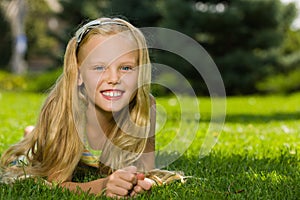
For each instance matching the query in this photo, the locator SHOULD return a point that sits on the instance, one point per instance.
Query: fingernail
(140, 176)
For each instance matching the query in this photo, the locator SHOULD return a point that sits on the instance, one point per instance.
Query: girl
(99, 114)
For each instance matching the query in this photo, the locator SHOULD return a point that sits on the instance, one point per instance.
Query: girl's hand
(121, 181)
(143, 184)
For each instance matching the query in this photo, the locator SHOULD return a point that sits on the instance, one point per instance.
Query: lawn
(257, 154)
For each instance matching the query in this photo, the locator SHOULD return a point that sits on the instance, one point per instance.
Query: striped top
(87, 158)
(90, 157)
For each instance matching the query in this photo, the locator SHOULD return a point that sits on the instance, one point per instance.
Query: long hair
(122, 148)
(54, 148)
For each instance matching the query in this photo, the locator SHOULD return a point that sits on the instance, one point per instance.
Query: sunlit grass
(256, 156)
(18, 110)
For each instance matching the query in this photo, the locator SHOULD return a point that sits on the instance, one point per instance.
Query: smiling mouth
(112, 93)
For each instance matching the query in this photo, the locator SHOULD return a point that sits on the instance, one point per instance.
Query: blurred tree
(5, 41)
(15, 13)
(250, 45)
(31, 40)
(242, 36)
(285, 76)
(139, 13)
(76, 12)
(43, 48)
(179, 15)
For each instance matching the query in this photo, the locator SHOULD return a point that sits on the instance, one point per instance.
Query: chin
(111, 109)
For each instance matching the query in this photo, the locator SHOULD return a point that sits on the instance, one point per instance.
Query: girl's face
(109, 71)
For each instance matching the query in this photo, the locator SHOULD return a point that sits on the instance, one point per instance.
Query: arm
(93, 187)
(117, 184)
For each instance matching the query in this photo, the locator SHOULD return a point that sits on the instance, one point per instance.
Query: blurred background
(254, 43)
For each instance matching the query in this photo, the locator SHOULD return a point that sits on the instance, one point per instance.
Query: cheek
(131, 82)
(91, 83)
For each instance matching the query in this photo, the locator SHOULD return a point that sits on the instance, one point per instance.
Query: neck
(97, 124)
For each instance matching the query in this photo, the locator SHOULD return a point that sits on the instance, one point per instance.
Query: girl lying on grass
(100, 115)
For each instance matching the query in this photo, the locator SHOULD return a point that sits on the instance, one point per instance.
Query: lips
(112, 94)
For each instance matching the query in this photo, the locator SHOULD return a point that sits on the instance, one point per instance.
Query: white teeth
(113, 93)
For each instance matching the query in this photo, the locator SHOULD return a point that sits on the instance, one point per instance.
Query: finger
(127, 176)
(112, 190)
(116, 180)
(138, 189)
(124, 184)
(132, 193)
(145, 184)
(140, 176)
(111, 195)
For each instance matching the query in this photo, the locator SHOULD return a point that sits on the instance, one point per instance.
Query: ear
(79, 80)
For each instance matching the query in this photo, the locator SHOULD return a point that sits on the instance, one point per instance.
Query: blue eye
(126, 68)
(99, 68)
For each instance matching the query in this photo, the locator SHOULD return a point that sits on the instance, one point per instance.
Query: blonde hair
(122, 148)
(54, 147)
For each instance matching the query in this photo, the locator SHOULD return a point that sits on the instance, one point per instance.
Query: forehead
(108, 48)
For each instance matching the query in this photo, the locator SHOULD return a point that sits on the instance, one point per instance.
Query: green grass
(256, 157)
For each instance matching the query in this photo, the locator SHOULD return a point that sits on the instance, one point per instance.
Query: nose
(112, 76)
